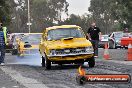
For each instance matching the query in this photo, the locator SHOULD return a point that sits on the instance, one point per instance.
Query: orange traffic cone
(106, 52)
(129, 53)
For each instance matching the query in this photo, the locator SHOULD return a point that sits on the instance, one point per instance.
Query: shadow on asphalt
(63, 67)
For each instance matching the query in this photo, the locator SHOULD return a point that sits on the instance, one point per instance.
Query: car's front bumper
(64, 55)
(71, 57)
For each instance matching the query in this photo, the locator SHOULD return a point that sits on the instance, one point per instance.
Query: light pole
(29, 23)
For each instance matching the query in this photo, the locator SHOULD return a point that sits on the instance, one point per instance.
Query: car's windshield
(32, 38)
(57, 34)
(126, 34)
(118, 35)
(105, 37)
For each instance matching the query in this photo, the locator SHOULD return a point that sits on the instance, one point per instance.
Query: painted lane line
(27, 82)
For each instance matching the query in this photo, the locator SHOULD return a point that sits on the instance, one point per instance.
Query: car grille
(67, 51)
(70, 51)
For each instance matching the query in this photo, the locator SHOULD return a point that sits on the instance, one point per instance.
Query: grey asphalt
(64, 77)
(7, 82)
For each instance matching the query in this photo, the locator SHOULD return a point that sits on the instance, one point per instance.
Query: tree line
(109, 15)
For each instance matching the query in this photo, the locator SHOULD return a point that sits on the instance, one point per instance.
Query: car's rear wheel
(48, 63)
(91, 62)
(126, 47)
(43, 61)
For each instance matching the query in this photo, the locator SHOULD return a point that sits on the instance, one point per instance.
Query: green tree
(4, 11)
(111, 15)
(103, 14)
(125, 7)
(44, 13)
(83, 21)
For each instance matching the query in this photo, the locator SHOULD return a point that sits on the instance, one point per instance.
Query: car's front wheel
(14, 52)
(91, 62)
(48, 63)
(43, 61)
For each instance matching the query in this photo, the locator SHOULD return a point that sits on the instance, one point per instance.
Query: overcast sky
(78, 7)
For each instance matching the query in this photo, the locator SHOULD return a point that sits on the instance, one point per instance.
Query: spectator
(94, 35)
(126, 30)
(3, 42)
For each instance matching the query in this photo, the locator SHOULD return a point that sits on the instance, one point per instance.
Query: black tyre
(126, 47)
(43, 61)
(91, 62)
(48, 63)
(111, 45)
(14, 52)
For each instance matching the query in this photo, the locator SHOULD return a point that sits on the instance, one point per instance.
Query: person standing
(3, 42)
(94, 35)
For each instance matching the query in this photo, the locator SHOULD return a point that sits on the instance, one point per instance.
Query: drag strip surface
(65, 77)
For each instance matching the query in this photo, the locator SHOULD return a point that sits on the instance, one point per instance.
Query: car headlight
(89, 49)
(117, 41)
(52, 52)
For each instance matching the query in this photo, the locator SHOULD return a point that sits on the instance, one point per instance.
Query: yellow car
(65, 44)
(28, 44)
(14, 39)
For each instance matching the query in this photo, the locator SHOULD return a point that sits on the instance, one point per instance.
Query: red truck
(126, 40)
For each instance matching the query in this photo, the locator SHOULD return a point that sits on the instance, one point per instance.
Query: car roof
(118, 32)
(62, 26)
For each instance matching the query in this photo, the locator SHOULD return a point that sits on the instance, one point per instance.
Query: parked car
(115, 40)
(126, 40)
(14, 39)
(126, 35)
(65, 44)
(103, 41)
(9, 43)
(28, 44)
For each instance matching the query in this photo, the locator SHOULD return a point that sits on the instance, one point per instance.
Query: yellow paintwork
(62, 44)
(45, 46)
(21, 44)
